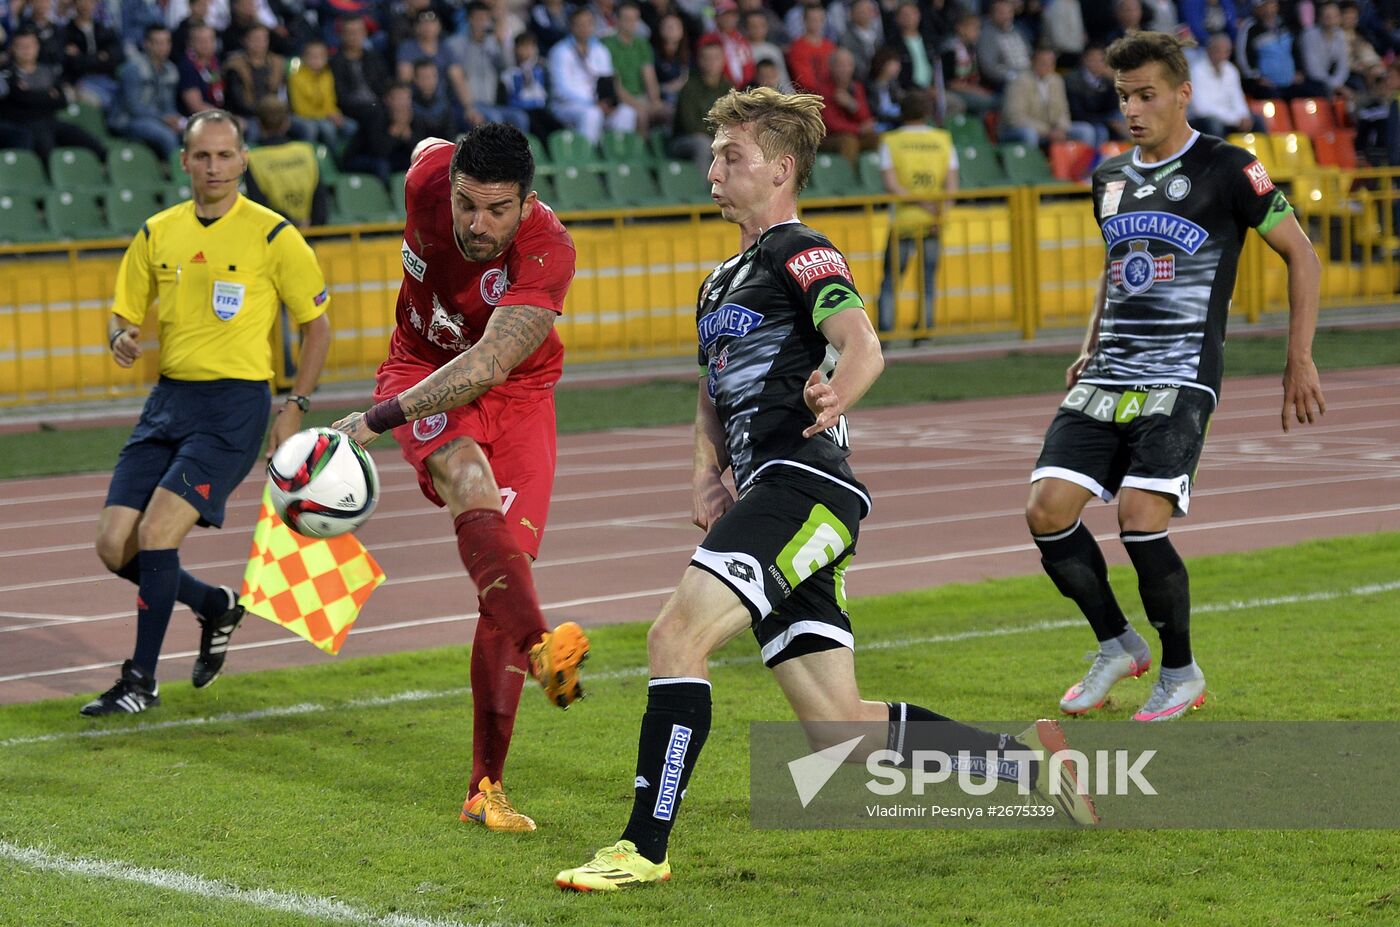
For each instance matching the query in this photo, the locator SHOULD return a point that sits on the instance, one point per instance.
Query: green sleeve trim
(834, 298)
(1278, 211)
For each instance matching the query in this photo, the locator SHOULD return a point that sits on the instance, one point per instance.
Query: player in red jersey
(468, 388)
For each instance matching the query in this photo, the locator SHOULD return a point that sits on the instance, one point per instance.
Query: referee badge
(228, 299)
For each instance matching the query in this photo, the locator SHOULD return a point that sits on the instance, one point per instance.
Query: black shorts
(1143, 437)
(196, 439)
(783, 548)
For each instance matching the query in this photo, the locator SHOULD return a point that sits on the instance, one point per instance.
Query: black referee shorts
(783, 548)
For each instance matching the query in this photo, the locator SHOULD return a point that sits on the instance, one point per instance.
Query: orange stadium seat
(1274, 113)
(1312, 116)
(1113, 148)
(1071, 160)
(1336, 148)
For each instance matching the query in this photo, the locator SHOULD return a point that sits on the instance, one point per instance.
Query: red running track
(948, 480)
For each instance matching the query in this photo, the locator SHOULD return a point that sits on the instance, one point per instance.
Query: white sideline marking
(325, 909)
(419, 695)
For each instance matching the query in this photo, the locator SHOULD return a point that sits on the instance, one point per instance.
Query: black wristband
(112, 339)
(385, 416)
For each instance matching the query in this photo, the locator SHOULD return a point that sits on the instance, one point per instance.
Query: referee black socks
(1165, 590)
(1074, 562)
(207, 601)
(155, 599)
(674, 729)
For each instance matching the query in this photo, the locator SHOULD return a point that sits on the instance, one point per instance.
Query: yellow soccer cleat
(492, 809)
(615, 867)
(555, 662)
(1046, 737)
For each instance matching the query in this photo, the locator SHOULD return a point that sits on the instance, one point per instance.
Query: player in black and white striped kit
(1174, 213)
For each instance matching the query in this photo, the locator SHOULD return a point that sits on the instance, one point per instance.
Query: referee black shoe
(213, 642)
(136, 691)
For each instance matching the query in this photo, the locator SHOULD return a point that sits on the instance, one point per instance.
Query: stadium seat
(568, 147)
(633, 185)
(870, 181)
(133, 166)
(1113, 148)
(656, 144)
(625, 147)
(832, 175)
(361, 198)
(74, 215)
(1312, 116)
(76, 169)
(1336, 149)
(544, 188)
(1293, 154)
(1071, 161)
(543, 163)
(325, 163)
(22, 172)
(127, 208)
(177, 191)
(86, 116)
(978, 167)
(1341, 117)
(173, 165)
(1274, 113)
(1025, 164)
(682, 183)
(1259, 145)
(19, 220)
(579, 188)
(397, 195)
(967, 130)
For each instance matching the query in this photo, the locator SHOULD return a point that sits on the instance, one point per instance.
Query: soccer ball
(323, 484)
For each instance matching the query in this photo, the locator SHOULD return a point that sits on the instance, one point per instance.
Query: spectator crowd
(369, 78)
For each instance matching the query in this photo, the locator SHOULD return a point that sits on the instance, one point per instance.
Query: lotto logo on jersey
(1137, 271)
(816, 263)
(412, 263)
(1258, 178)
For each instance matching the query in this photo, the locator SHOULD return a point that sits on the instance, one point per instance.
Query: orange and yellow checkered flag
(314, 588)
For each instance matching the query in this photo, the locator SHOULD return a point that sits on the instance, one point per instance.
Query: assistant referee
(217, 267)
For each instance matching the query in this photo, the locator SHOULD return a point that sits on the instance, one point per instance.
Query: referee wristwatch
(302, 402)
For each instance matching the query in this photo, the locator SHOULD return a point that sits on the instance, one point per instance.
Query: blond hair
(783, 124)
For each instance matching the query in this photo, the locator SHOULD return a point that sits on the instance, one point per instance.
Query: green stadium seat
(869, 179)
(568, 147)
(967, 130)
(177, 191)
(832, 175)
(657, 143)
(361, 198)
(543, 163)
(86, 116)
(579, 188)
(134, 167)
(19, 220)
(625, 148)
(173, 165)
(127, 208)
(74, 215)
(76, 169)
(682, 183)
(1025, 164)
(325, 163)
(22, 172)
(978, 167)
(633, 185)
(397, 193)
(544, 188)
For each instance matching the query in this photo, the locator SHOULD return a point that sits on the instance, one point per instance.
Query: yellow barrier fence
(1014, 261)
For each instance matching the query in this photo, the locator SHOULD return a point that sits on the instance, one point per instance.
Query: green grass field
(666, 402)
(291, 792)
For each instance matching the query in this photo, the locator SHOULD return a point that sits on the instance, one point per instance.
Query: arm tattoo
(512, 334)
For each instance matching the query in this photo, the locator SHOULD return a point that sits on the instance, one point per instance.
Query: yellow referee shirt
(218, 288)
(921, 157)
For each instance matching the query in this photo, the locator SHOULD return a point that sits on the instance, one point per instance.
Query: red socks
(498, 673)
(501, 571)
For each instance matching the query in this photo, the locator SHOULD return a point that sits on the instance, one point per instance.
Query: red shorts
(516, 433)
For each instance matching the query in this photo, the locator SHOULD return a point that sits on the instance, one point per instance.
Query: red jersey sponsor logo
(1258, 178)
(415, 266)
(816, 263)
(494, 284)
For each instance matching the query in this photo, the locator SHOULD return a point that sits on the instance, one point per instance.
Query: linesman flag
(314, 588)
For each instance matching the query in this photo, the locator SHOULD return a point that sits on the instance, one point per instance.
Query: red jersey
(445, 300)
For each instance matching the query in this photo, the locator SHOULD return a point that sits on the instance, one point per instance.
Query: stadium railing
(1016, 261)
